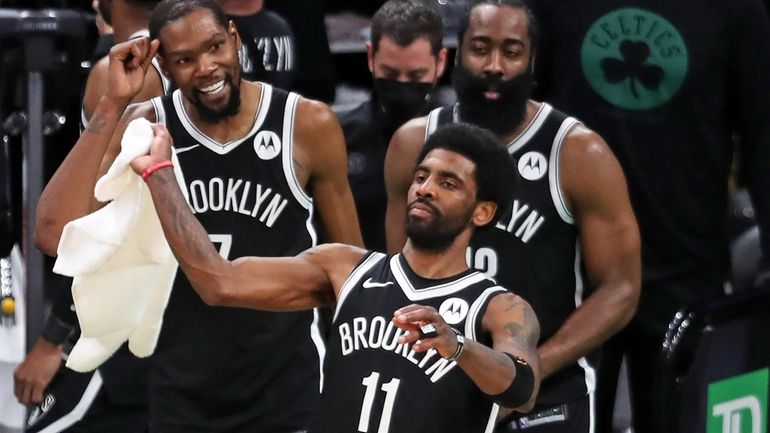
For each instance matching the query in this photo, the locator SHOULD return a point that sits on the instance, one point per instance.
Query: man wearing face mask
(406, 59)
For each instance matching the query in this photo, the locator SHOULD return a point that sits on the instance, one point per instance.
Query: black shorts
(573, 417)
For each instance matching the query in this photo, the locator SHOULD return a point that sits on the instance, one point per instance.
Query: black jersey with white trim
(233, 369)
(373, 384)
(534, 247)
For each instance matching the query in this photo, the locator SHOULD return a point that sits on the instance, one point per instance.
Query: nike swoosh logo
(185, 149)
(368, 284)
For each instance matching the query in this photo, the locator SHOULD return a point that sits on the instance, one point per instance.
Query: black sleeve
(750, 106)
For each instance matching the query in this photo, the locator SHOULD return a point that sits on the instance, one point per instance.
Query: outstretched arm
(596, 189)
(514, 329)
(286, 283)
(69, 194)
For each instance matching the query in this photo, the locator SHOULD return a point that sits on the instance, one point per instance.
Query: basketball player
(120, 405)
(403, 324)
(570, 231)
(251, 156)
(133, 17)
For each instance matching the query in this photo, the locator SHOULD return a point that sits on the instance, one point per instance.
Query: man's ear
(370, 57)
(233, 31)
(484, 213)
(162, 63)
(441, 63)
(532, 63)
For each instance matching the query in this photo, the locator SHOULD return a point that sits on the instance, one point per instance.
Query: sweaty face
(493, 78)
(201, 57)
(441, 200)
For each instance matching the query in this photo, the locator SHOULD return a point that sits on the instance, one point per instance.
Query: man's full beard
(500, 116)
(437, 235)
(230, 109)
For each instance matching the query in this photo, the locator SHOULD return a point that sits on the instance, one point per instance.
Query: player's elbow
(522, 391)
(629, 300)
(212, 295)
(46, 237)
(211, 289)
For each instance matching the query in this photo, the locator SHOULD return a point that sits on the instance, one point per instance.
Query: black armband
(521, 388)
(56, 331)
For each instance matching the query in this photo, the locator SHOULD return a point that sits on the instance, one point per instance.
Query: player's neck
(235, 127)
(433, 265)
(532, 108)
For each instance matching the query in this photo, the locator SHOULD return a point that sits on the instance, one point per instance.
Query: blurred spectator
(118, 398)
(268, 51)
(314, 68)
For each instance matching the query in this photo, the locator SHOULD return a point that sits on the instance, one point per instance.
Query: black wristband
(521, 388)
(56, 331)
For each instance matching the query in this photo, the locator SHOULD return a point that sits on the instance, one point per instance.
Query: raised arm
(509, 371)
(400, 160)
(288, 283)
(321, 147)
(69, 193)
(596, 190)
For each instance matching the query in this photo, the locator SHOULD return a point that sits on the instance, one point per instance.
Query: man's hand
(160, 149)
(412, 317)
(33, 375)
(128, 65)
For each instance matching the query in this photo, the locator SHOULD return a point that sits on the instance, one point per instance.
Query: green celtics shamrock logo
(634, 59)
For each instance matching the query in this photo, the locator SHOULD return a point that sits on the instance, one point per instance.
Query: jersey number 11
(390, 388)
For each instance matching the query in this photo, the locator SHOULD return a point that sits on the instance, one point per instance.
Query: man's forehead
(448, 160)
(418, 52)
(498, 20)
(200, 23)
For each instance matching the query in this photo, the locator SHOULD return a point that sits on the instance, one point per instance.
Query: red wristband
(155, 167)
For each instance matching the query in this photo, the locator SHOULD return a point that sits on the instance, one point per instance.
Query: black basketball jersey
(233, 369)
(534, 247)
(373, 384)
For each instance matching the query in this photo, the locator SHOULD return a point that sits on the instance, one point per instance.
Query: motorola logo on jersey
(532, 165)
(267, 145)
(453, 310)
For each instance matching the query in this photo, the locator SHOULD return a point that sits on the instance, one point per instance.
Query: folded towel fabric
(122, 265)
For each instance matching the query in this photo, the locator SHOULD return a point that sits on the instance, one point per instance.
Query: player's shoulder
(314, 113)
(584, 144)
(144, 109)
(335, 257)
(410, 136)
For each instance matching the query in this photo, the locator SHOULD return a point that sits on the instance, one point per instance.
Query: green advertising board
(738, 404)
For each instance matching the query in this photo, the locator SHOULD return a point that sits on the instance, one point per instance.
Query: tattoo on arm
(183, 223)
(526, 329)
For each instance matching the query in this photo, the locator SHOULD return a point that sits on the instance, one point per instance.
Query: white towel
(122, 265)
